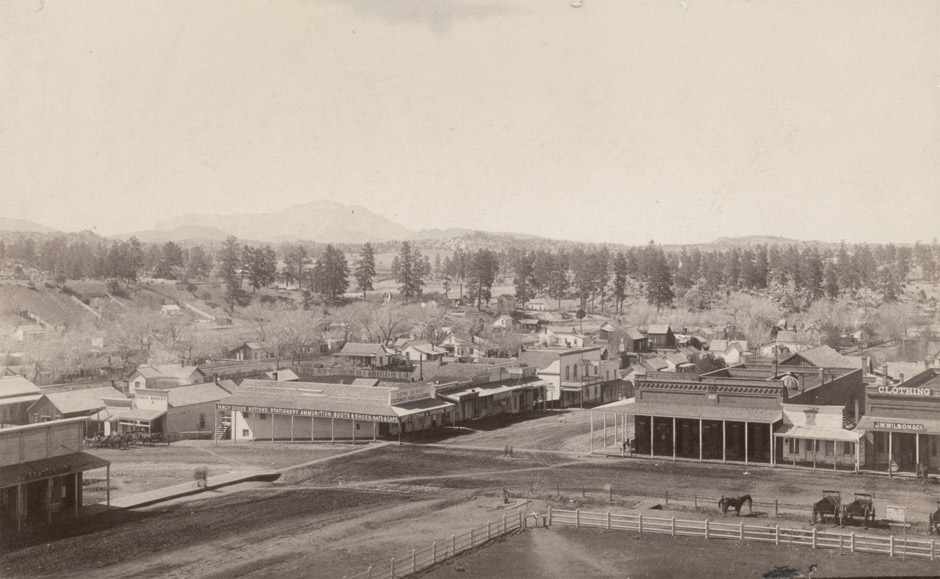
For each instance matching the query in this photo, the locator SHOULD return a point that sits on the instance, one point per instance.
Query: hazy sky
(618, 121)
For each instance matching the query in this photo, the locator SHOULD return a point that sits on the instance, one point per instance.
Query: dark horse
(862, 506)
(725, 503)
(829, 506)
(933, 522)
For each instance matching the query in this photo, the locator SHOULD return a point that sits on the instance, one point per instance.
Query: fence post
(673, 526)
(931, 549)
(641, 523)
(577, 518)
(549, 515)
(852, 542)
(369, 572)
(392, 568)
(453, 545)
(414, 560)
(777, 534)
(776, 508)
(740, 531)
(814, 537)
(608, 520)
(433, 552)
(891, 546)
(706, 528)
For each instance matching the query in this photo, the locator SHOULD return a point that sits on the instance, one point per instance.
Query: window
(933, 446)
(846, 448)
(880, 441)
(576, 372)
(262, 417)
(794, 445)
(829, 446)
(245, 433)
(596, 370)
(567, 372)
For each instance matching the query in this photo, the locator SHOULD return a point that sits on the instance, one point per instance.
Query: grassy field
(566, 552)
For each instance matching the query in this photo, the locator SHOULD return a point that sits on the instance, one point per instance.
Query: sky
(619, 121)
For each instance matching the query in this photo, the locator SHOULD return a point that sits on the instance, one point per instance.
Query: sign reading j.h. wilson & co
(905, 391)
(906, 426)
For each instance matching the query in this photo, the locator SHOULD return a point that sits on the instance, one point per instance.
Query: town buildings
(579, 377)
(17, 394)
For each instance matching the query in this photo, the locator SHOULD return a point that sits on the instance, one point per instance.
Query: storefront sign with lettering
(905, 391)
(903, 426)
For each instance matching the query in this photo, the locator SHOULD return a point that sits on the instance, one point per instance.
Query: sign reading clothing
(905, 391)
(902, 426)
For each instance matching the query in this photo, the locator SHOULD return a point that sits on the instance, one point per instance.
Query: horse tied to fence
(725, 503)
(933, 522)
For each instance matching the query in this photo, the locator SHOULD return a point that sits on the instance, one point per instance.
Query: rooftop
(17, 386)
(361, 349)
(82, 400)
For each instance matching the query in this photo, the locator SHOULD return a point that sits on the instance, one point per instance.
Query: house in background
(170, 310)
(822, 357)
(731, 351)
(504, 322)
(17, 394)
(185, 411)
(423, 352)
(249, 351)
(536, 305)
(366, 354)
(163, 375)
(661, 336)
(73, 402)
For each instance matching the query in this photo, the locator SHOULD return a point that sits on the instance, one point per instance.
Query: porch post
(399, 431)
(651, 435)
(312, 428)
(108, 485)
(49, 501)
(773, 443)
(701, 441)
(917, 449)
(605, 429)
(592, 431)
(272, 427)
(815, 450)
(858, 455)
(292, 428)
(354, 430)
(77, 493)
(745, 442)
(673, 438)
(332, 429)
(835, 456)
(20, 507)
(890, 452)
(374, 426)
(724, 442)
(215, 425)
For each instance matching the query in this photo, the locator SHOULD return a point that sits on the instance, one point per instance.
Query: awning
(428, 406)
(25, 472)
(136, 415)
(729, 413)
(911, 425)
(819, 433)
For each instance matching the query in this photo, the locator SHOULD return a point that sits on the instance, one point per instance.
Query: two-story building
(581, 376)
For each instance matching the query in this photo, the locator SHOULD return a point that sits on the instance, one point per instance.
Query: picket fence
(856, 543)
(440, 550)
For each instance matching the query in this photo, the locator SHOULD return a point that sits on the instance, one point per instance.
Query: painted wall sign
(901, 426)
(905, 391)
(310, 413)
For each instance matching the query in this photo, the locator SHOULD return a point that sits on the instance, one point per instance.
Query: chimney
(822, 376)
(884, 374)
(901, 377)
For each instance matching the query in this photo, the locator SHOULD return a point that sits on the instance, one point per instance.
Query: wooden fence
(440, 550)
(851, 542)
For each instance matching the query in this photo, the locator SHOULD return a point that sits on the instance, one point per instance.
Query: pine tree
(831, 280)
(524, 277)
(620, 280)
(659, 279)
(331, 274)
(484, 266)
(409, 271)
(365, 269)
(229, 265)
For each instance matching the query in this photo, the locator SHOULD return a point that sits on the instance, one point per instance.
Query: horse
(725, 503)
(862, 506)
(933, 521)
(829, 505)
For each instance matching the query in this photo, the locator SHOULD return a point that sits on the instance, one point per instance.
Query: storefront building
(902, 423)
(730, 414)
(41, 469)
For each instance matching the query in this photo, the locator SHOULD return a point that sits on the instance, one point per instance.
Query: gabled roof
(83, 400)
(167, 371)
(361, 349)
(718, 346)
(428, 349)
(16, 386)
(659, 329)
(195, 394)
(283, 375)
(365, 382)
(677, 357)
(634, 334)
(788, 336)
(655, 363)
(608, 327)
(824, 357)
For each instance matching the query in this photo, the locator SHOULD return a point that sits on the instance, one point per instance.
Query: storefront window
(829, 447)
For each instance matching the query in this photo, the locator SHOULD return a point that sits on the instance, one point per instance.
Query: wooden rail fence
(443, 549)
(852, 542)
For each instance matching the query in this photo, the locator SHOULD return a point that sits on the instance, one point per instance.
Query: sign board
(905, 391)
(898, 426)
(896, 514)
(409, 393)
(310, 413)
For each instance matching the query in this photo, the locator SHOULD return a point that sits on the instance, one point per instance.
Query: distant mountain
(751, 240)
(22, 225)
(464, 233)
(324, 221)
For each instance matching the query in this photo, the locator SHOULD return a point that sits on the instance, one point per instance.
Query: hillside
(22, 225)
(324, 221)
